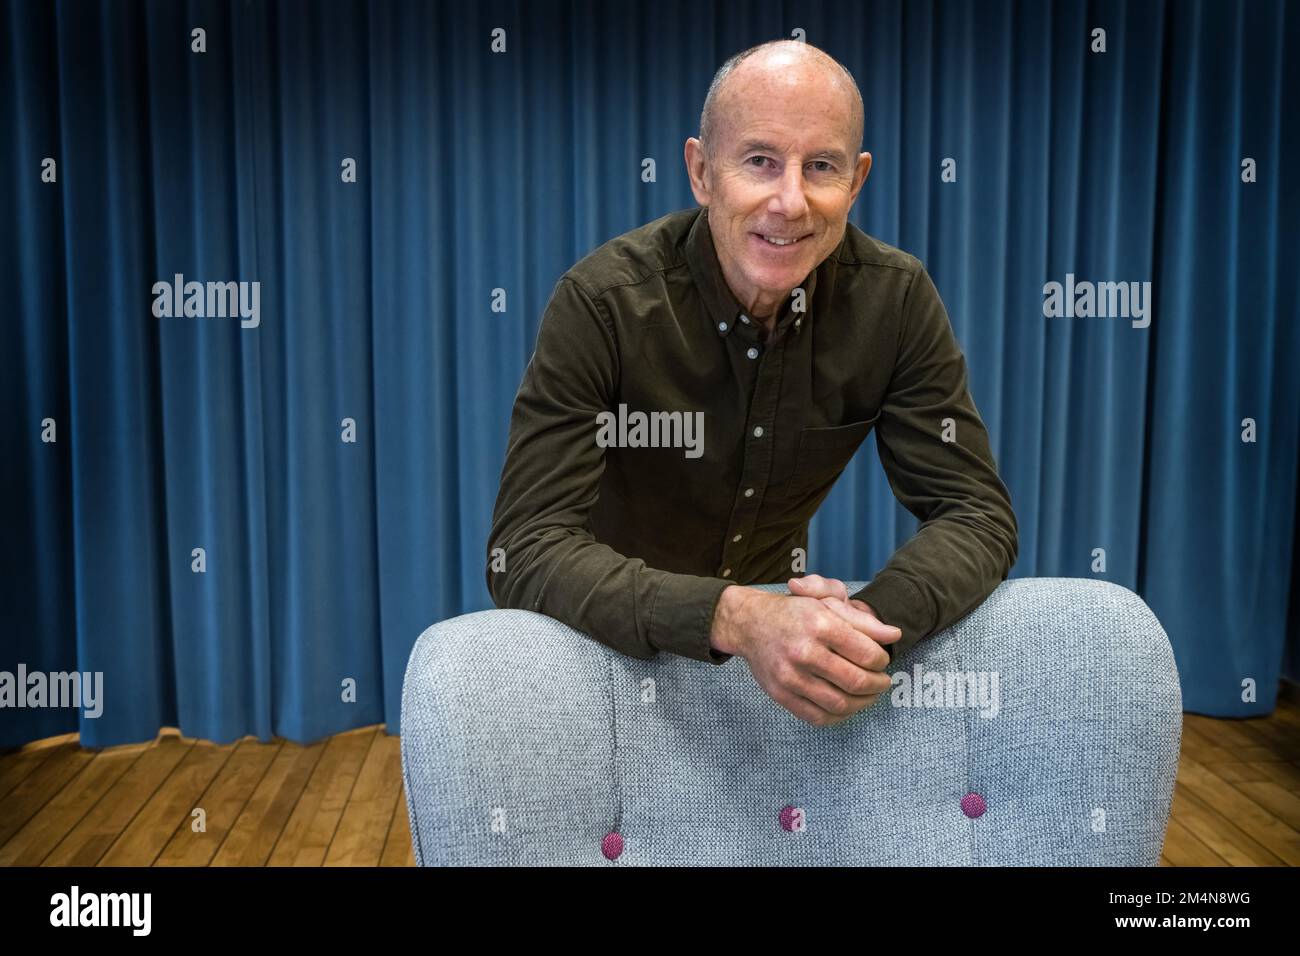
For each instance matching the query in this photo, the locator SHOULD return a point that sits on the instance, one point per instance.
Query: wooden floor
(1237, 797)
(339, 802)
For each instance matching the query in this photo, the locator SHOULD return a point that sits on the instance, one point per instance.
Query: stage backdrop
(245, 521)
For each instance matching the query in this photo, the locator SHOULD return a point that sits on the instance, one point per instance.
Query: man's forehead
(759, 83)
(779, 124)
(809, 96)
(787, 96)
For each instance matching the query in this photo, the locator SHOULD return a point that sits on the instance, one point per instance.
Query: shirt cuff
(896, 601)
(682, 617)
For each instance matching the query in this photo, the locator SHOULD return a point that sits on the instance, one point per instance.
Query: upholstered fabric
(526, 742)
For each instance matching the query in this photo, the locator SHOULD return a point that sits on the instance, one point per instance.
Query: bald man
(700, 382)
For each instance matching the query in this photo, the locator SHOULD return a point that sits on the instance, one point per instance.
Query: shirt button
(727, 573)
(752, 353)
(749, 492)
(722, 326)
(758, 431)
(798, 322)
(737, 537)
(745, 319)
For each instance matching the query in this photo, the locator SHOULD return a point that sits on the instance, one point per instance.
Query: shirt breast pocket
(822, 455)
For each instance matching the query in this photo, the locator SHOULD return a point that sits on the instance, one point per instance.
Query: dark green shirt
(634, 545)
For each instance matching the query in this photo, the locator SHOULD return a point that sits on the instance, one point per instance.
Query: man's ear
(697, 164)
(860, 175)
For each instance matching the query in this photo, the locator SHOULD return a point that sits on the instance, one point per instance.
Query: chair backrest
(1041, 729)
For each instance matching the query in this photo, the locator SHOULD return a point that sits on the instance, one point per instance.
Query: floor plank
(255, 832)
(1182, 848)
(398, 850)
(1200, 741)
(33, 843)
(1265, 732)
(169, 807)
(222, 803)
(99, 829)
(1223, 732)
(368, 816)
(17, 765)
(1287, 774)
(307, 835)
(41, 786)
(1219, 834)
(1276, 799)
(1238, 808)
(1288, 712)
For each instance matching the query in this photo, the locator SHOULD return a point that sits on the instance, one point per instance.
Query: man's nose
(789, 198)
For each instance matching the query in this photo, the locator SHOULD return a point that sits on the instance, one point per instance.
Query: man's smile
(776, 241)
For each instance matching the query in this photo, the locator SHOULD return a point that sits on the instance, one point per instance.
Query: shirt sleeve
(968, 538)
(549, 482)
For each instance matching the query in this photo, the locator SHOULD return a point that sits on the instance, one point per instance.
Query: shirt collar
(723, 308)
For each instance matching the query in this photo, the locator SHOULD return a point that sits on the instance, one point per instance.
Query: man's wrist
(726, 633)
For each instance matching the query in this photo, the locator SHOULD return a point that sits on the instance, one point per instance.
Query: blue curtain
(131, 440)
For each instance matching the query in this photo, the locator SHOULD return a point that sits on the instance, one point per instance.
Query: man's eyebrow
(832, 154)
(758, 146)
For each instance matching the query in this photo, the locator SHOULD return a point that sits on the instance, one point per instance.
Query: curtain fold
(246, 528)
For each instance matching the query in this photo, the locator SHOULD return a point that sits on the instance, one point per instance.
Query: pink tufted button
(612, 845)
(973, 805)
(787, 819)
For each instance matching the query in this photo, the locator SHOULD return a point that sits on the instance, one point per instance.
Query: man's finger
(853, 645)
(801, 707)
(826, 696)
(865, 622)
(853, 679)
(816, 586)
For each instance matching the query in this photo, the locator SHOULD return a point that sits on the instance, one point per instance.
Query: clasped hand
(815, 652)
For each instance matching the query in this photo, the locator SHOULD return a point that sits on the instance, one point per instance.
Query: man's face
(780, 169)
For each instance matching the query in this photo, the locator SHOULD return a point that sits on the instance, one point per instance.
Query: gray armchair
(1041, 729)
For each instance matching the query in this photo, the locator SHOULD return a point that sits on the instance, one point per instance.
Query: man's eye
(761, 160)
(823, 166)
